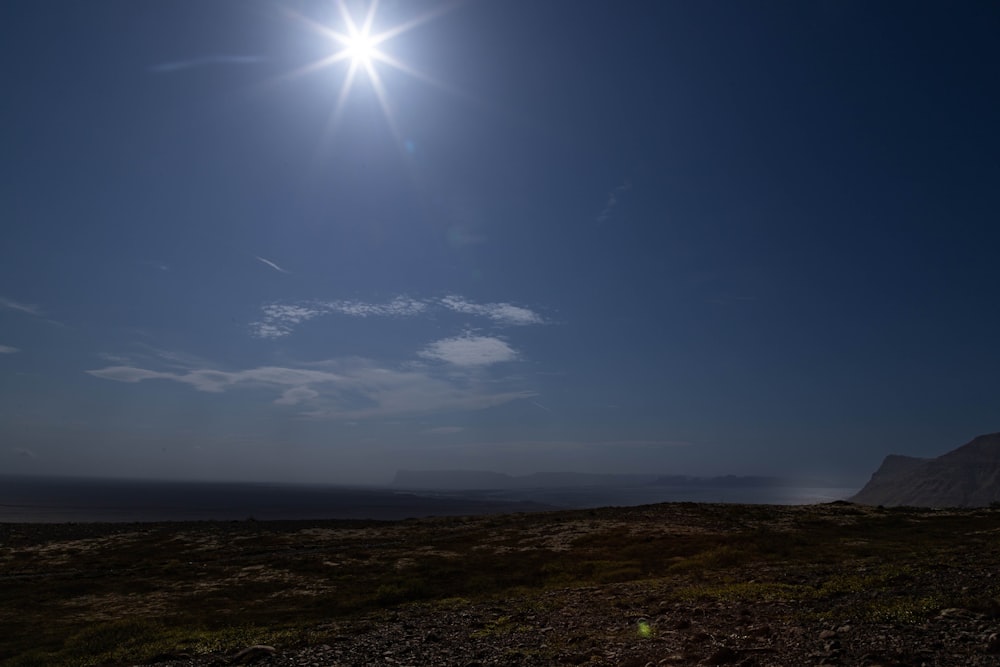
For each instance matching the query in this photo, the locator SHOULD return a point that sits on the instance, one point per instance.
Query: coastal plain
(665, 584)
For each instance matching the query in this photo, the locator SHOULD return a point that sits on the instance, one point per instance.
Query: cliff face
(965, 477)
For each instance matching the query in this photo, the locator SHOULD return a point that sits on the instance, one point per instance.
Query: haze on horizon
(670, 237)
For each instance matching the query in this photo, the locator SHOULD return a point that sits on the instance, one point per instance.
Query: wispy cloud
(30, 309)
(217, 381)
(401, 306)
(297, 394)
(191, 63)
(612, 201)
(7, 349)
(340, 388)
(281, 319)
(171, 358)
(269, 330)
(503, 313)
(131, 374)
(270, 263)
(469, 350)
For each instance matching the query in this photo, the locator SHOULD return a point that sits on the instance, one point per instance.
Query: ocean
(625, 496)
(59, 500)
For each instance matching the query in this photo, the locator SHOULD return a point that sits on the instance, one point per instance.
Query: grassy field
(87, 594)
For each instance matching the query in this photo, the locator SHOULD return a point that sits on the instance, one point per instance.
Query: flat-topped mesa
(968, 476)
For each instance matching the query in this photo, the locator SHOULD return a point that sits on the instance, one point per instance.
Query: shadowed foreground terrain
(670, 584)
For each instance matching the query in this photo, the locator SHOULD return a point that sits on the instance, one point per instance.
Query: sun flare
(358, 50)
(358, 45)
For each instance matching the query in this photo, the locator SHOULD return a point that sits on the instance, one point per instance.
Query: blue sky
(678, 237)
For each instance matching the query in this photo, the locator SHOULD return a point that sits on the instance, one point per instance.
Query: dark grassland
(88, 594)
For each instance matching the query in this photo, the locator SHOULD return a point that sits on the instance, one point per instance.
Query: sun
(358, 45)
(364, 50)
(361, 49)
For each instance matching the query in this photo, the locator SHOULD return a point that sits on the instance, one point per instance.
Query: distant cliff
(466, 480)
(965, 477)
(469, 480)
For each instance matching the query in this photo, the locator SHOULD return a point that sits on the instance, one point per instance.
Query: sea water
(48, 500)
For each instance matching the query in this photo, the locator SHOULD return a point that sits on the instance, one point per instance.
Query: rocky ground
(676, 584)
(626, 626)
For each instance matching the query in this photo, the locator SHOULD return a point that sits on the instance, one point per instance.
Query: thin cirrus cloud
(218, 381)
(26, 308)
(503, 313)
(7, 349)
(270, 263)
(280, 319)
(339, 388)
(204, 61)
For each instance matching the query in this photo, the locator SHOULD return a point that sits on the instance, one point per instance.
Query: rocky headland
(965, 477)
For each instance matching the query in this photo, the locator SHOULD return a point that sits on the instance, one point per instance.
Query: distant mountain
(468, 480)
(965, 477)
(478, 480)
